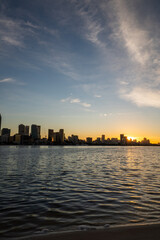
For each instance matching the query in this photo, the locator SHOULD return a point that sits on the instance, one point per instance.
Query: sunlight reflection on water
(58, 188)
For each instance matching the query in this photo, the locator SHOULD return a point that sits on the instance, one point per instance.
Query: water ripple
(46, 189)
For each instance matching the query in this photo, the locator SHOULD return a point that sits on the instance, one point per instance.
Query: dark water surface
(47, 189)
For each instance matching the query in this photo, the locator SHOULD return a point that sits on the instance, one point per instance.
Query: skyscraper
(35, 131)
(103, 138)
(6, 131)
(23, 130)
(123, 139)
(39, 131)
(27, 130)
(61, 135)
(51, 135)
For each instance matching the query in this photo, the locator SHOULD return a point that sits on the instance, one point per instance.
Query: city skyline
(91, 67)
(44, 132)
(34, 131)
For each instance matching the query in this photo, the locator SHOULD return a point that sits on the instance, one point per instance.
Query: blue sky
(90, 67)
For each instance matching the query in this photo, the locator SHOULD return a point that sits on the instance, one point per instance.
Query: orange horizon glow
(132, 138)
(95, 135)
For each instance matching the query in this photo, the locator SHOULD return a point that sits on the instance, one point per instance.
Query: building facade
(35, 131)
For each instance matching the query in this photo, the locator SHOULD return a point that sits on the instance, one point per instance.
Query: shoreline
(121, 232)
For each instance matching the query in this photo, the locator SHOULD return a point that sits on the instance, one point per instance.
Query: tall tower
(103, 138)
(50, 135)
(21, 129)
(121, 137)
(35, 131)
(27, 130)
(61, 134)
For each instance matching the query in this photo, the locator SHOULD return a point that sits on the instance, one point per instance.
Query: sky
(91, 67)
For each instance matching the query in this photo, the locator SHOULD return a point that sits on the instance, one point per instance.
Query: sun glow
(131, 138)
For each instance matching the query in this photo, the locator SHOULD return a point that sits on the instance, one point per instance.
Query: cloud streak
(7, 80)
(12, 81)
(125, 48)
(140, 80)
(135, 38)
(143, 97)
(76, 101)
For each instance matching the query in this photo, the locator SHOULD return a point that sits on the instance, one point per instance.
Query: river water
(45, 189)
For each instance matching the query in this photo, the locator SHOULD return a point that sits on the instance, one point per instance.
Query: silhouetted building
(103, 138)
(6, 131)
(23, 130)
(5, 139)
(25, 139)
(89, 140)
(73, 139)
(57, 138)
(50, 135)
(145, 141)
(5, 135)
(114, 141)
(35, 131)
(61, 135)
(39, 132)
(43, 141)
(17, 138)
(98, 140)
(123, 139)
(27, 131)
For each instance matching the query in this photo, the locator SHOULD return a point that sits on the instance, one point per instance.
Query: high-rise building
(6, 131)
(57, 138)
(123, 139)
(27, 131)
(73, 139)
(35, 131)
(50, 135)
(23, 130)
(89, 140)
(103, 138)
(61, 135)
(39, 132)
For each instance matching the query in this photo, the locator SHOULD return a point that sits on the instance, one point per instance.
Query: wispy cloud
(97, 96)
(14, 32)
(7, 80)
(93, 89)
(76, 101)
(92, 27)
(11, 32)
(136, 39)
(140, 79)
(124, 48)
(11, 80)
(143, 97)
(106, 115)
(84, 104)
(11, 41)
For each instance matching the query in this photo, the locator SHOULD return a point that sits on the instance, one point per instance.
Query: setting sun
(131, 138)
